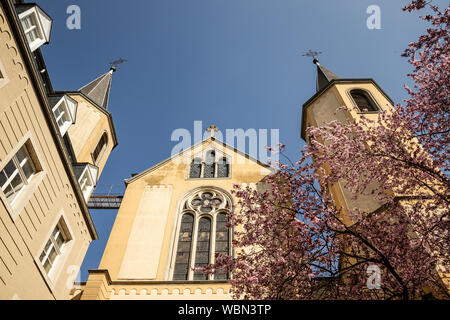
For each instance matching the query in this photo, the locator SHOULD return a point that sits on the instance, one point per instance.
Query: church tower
(172, 219)
(363, 96)
(90, 139)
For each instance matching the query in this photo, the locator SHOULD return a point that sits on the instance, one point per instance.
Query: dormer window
(30, 28)
(36, 24)
(211, 167)
(363, 101)
(87, 178)
(64, 109)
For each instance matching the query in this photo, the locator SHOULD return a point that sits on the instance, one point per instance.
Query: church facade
(172, 220)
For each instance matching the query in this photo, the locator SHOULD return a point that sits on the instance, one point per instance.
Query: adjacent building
(53, 148)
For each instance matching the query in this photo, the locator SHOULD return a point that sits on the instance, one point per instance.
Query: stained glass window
(210, 165)
(184, 248)
(196, 168)
(223, 168)
(202, 210)
(203, 246)
(222, 241)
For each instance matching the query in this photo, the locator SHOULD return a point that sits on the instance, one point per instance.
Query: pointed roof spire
(324, 76)
(98, 90)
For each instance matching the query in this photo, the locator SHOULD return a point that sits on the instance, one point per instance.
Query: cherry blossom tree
(292, 241)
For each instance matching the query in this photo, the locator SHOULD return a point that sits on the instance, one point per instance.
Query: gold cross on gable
(213, 130)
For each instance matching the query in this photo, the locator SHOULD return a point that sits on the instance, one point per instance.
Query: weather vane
(117, 62)
(313, 54)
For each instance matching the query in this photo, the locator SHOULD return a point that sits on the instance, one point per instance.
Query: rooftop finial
(115, 63)
(212, 128)
(314, 55)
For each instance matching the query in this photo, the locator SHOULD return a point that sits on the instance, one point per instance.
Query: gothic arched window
(203, 247)
(363, 100)
(202, 234)
(210, 165)
(222, 241)
(196, 168)
(223, 168)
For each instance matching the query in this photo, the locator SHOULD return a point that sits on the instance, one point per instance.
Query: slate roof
(324, 76)
(98, 90)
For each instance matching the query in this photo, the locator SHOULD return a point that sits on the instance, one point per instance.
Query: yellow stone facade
(92, 122)
(139, 257)
(50, 202)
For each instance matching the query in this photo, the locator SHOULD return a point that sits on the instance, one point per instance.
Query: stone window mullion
(193, 248)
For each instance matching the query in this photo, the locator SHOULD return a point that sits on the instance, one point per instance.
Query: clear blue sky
(234, 63)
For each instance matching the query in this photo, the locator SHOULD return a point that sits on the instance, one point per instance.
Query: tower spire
(98, 90)
(324, 76)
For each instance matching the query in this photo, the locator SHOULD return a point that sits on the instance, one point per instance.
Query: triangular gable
(210, 140)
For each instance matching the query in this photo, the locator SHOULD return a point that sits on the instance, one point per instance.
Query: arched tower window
(202, 233)
(223, 168)
(100, 148)
(196, 168)
(210, 165)
(363, 100)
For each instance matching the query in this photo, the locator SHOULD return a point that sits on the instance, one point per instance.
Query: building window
(184, 248)
(87, 175)
(100, 148)
(196, 237)
(222, 241)
(30, 28)
(363, 101)
(196, 168)
(223, 168)
(17, 173)
(36, 24)
(53, 248)
(64, 109)
(203, 247)
(61, 115)
(212, 167)
(86, 184)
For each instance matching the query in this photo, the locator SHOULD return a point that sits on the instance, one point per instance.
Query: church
(173, 216)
